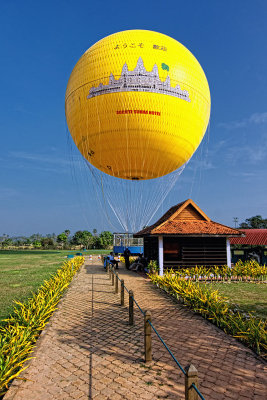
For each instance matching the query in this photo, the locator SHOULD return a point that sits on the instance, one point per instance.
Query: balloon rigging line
(74, 179)
(139, 204)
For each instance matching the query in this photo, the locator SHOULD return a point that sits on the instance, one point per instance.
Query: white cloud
(204, 164)
(39, 158)
(251, 154)
(243, 174)
(6, 192)
(256, 118)
(22, 109)
(43, 162)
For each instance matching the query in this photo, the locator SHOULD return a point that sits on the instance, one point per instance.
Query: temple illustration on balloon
(139, 80)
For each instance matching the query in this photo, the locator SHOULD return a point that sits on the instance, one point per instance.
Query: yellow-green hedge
(22, 329)
(131, 259)
(248, 270)
(207, 302)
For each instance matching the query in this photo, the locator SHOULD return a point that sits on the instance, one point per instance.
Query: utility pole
(235, 221)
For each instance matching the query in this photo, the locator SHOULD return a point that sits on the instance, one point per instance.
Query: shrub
(23, 327)
(131, 259)
(248, 270)
(207, 302)
(153, 267)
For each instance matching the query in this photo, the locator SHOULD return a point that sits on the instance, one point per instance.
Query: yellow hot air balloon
(137, 104)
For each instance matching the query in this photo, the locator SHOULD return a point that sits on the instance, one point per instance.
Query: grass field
(250, 297)
(22, 272)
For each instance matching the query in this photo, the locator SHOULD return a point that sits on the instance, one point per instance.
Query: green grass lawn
(250, 297)
(23, 271)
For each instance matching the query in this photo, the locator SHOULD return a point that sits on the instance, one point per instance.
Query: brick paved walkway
(88, 350)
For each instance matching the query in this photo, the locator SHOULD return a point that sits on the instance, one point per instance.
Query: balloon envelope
(137, 104)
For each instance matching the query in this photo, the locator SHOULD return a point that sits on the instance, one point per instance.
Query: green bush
(247, 270)
(207, 302)
(22, 329)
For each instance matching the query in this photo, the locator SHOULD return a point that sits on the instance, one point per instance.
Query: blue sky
(40, 43)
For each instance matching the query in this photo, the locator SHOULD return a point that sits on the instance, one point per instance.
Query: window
(172, 250)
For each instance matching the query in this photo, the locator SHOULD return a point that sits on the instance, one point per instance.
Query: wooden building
(185, 237)
(253, 245)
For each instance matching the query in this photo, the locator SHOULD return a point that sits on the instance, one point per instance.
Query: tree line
(256, 222)
(81, 239)
(88, 240)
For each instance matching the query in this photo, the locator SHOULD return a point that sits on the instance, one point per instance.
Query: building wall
(189, 214)
(151, 248)
(188, 251)
(249, 252)
(196, 251)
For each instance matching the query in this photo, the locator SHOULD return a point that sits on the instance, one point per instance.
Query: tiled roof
(253, 237)
(162, 219)
(177, 222)
(194, 228)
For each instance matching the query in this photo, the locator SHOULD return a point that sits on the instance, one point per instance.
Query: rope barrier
(126, 289)
(131, 296)
(198, 392)
(167, 348)
(162, 341)
(138, 306)
(117, 276)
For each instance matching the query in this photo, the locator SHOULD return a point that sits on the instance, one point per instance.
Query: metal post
(160, 241)
(117, 284)
(112, 271)
(107, 269)
(147, 332)
(122, 292)
(131, 310)
(190, 378)
(228, 252)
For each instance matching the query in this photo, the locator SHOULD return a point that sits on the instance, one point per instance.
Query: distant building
(251, 246)
(185, 237)
(139, 80)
